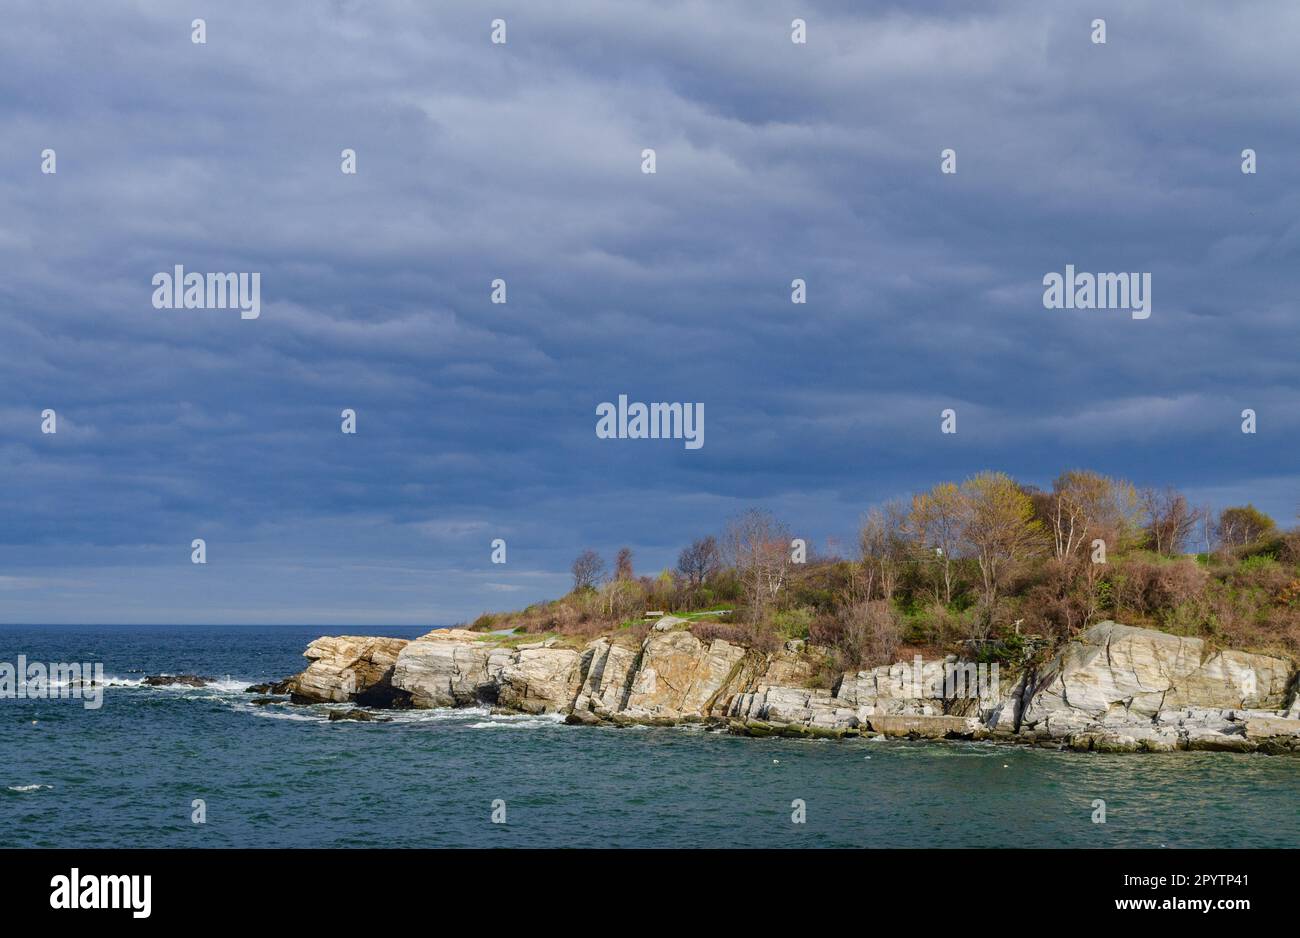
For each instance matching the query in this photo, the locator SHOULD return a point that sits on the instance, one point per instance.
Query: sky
(523, 161)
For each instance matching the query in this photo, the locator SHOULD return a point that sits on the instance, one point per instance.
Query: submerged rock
(274, 687)
(185, 680)
(362, 716)
(582, 718)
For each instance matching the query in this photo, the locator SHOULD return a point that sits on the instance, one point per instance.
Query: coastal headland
(1113, 688)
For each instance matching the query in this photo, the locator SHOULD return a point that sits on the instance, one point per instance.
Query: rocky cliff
(1114, 688)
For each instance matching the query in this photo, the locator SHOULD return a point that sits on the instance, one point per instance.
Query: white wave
(230, 685)
(28, 787)
(226, 685)
(519, 720)
(437, 715)
(268, 714)
(482, 717)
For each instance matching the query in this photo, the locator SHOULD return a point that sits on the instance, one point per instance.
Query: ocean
(129, 773)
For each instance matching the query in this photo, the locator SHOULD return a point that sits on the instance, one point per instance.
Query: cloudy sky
(523, 161)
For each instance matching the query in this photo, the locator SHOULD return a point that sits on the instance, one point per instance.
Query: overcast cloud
(522, 161)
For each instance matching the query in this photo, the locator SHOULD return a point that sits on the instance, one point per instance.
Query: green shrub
(793, 623)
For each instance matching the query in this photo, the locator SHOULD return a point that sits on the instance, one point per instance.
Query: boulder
(1210, 741)
(274, 687)
(361, 716)
(345, 666)
(582, 718)
(670, 624)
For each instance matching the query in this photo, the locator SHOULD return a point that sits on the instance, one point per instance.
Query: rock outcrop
(349, 668)
(680, 677)
(540, 678)
(1127, 689)
(608, 682)
(1114, 688)
(450, 668)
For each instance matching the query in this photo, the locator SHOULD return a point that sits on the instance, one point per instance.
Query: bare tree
(869, 634)
(1081, 509)
(587, 570)
(1170, 519)
(999, 527)
(1086, 506)
(885, 546)
(759, 547)
(936, 521)
(623, 564)
(620, 597)
(1209, 528)
(699, 561)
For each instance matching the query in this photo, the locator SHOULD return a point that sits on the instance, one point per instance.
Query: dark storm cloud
(522, 161)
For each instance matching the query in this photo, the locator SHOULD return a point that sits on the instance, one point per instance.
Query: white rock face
(1119, 688)
(1115, 688)
(1266, 727)
(1233, 679)
(609, 676)
(540, 680)
(920, 688)
(1113, 671)
(681, 676)
(449, 668)
(793, 705)
(1292, 711)
(343, 666)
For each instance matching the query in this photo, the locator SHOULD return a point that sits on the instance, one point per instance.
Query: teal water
(126, 774)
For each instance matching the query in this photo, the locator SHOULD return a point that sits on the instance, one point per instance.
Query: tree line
(976, 560)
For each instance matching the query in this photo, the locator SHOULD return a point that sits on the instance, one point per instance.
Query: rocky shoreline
(1114, 688)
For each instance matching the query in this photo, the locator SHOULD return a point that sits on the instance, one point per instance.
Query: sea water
(133, 772)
